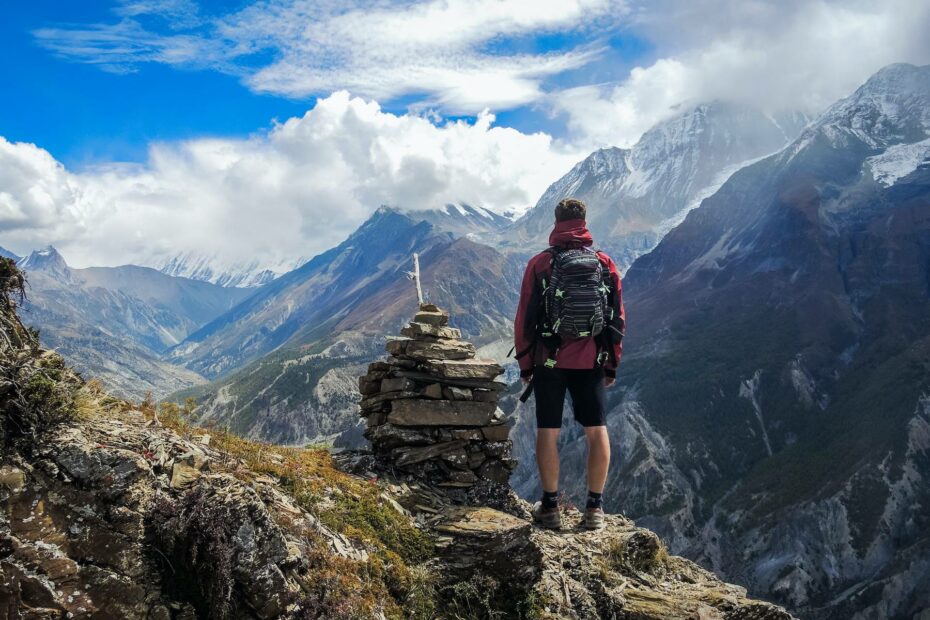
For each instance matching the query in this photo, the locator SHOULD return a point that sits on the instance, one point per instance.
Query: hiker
(568, 337)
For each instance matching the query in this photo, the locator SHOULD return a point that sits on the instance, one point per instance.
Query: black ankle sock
(550, 499)
(595, 500)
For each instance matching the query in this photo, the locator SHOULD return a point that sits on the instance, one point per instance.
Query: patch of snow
(898, 161)
(748, 389)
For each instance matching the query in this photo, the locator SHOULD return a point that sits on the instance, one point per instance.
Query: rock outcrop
(431, 408)
(107, 511)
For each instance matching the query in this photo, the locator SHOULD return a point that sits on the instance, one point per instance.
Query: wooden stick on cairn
(415, 276)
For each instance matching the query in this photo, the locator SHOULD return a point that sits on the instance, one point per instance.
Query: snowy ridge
(461, 220)
(892, 107)
(212, 269)
(898, 161)
(636, 195)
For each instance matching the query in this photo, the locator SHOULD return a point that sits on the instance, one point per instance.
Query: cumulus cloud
(452, 54)
(777, 55)
(291, 192)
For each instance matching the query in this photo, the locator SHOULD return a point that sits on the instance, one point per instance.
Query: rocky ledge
(107, 511)
(120, 517)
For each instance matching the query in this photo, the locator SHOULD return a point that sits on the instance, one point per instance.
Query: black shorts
(586, 387)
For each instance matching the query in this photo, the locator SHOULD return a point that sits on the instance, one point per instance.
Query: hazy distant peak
(47, 259)
(8, 254)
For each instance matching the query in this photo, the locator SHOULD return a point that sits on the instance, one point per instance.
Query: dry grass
(394, 580)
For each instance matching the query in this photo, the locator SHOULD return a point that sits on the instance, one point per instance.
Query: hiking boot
(549, 518)
(593, 519)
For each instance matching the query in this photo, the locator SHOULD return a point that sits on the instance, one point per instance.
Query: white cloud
(777, 55)
(448, 53)
(294, 191)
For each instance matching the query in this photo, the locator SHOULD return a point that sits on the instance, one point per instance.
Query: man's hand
(609, 381)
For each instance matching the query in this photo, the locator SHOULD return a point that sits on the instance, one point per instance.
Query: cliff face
(109, 511)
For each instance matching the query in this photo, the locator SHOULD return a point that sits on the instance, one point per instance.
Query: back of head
(570, 209)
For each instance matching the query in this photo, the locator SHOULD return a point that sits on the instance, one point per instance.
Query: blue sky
(235, 130)
(86, 115)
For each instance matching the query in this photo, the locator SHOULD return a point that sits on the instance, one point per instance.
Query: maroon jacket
(578, 353)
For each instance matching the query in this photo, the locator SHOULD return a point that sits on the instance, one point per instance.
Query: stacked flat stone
(431, 407)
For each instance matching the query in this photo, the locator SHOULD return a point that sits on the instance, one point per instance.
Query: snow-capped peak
(47, 259)
(892, 107)
(208, 268)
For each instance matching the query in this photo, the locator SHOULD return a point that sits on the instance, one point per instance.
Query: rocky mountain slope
(306, 390)
(108, 512)
(637, 195)
(114, 322)
(7, 254)
(304, 304)
(774, 390)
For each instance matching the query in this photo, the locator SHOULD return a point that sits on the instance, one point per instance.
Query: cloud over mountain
(292, 191)
(776, 55)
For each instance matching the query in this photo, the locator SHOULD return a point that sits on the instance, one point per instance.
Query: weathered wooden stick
(416, 276)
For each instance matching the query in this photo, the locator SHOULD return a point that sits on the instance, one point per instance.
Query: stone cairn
(431, 407)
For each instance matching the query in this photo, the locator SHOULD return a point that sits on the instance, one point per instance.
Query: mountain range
(772, 416)
(637, 195)
(115, 322)
(208, 268)
(306, 337)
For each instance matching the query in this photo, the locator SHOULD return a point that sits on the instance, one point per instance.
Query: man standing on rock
(568, 337)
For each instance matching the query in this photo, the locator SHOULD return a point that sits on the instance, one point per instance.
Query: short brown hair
(570, 209)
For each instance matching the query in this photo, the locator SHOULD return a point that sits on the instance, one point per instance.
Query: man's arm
(524, 324)
(610, 368)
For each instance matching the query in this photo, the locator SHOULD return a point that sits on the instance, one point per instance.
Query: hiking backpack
(576, 299)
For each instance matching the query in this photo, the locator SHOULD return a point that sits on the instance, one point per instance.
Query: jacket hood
(570, 234)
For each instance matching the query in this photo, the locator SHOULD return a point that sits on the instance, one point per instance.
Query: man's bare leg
(547, 458)
(598, 457)
(546, 512)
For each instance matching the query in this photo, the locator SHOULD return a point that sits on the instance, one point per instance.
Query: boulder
(397, 384)
(397, 346)
(391, 436)
(498, 432)
(439, 350)
(421, 330)
(433, 390)
(495, 471)
(456, 393)
(436, 319)
(368, 385)
(12, 478)
(414, 412)
(464, 369)
(412, 455)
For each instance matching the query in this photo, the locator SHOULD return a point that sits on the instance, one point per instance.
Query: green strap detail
(559, 292)
(555, 327)
(550, 363)
(584, 333)
(544, 284)
(546, 334)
